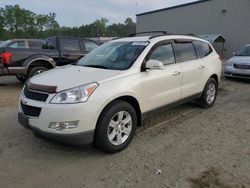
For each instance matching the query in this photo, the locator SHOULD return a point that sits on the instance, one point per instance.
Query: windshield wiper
(96, 66)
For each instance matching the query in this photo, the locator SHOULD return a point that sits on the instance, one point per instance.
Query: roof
(132, 39)
(173, 7)
(158, 38)
(212, 38)
(26, 39)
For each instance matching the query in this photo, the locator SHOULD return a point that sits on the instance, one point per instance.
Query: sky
(81, 12)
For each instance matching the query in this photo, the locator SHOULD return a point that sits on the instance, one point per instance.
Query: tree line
(17, 22)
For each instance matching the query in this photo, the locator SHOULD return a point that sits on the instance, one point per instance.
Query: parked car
(239, 65)
(26, 58)
(110, 91)
(22, 43)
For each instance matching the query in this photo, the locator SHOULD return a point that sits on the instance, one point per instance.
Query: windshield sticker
(140, 43)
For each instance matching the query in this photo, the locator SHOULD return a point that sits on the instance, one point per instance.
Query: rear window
(35, 44)
(17, 44)
(185, 51)
(70, 44)
(203, 49)
(89, 45)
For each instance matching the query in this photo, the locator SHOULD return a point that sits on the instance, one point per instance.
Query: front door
(162, 87)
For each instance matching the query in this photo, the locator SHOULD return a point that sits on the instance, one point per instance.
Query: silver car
(239, 65)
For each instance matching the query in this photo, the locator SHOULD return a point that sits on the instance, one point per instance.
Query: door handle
(176, 73)
(201, 67)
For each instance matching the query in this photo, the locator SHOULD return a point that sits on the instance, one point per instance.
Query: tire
(209, 93)
(36, 70)
(21, 78)
(116, 136)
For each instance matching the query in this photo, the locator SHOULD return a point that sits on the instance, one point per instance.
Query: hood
(240, 60)
(72, 76)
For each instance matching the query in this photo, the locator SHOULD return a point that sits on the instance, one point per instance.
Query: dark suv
(28, 57)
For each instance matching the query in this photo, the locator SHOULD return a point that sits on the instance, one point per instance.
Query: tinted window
(203, 49)
(185, 51)
(17, 44)
(49, 43)
(35, 44)
(70, 44)
(89, 45)
(164, 53)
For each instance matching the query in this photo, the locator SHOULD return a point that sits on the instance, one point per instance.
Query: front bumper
(37, 116)
(230, 71)
(83, 138)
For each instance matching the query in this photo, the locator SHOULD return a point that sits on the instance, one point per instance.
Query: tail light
(6, 57)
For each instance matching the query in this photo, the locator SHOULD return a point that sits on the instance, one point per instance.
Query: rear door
(50, 48)
(162, 87)
(204, 50)
(71, 50)
(191, 67)
(35, 44)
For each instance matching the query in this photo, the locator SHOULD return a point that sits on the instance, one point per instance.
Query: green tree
(17, 22)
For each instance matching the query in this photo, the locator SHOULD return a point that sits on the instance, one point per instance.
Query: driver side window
(163, 53)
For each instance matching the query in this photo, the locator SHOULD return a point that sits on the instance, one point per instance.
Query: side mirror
(154, 65)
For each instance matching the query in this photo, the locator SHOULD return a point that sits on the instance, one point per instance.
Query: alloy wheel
(39, 72)
(211, 92)
(119, 128)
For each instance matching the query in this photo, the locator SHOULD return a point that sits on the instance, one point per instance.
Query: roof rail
(145, 32)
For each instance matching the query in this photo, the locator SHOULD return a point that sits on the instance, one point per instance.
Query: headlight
(74, 95)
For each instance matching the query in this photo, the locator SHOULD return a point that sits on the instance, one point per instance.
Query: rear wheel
(209, 93)
(116, 127)
(36, 70)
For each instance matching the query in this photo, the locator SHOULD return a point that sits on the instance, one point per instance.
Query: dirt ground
(185, 147)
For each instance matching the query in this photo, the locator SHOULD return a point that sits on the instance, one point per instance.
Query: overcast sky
(79, 12)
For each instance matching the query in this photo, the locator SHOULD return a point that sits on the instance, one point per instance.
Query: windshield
(113, 55)
(245, 51)
(3, 44)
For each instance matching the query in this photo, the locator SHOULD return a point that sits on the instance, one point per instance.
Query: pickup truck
(25, 58)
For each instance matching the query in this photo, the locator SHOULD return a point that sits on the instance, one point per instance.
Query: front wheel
(116, 127)
(36, 70)
(21, 78)
(209, 93)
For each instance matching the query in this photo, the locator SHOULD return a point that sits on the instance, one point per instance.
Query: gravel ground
(185, 147)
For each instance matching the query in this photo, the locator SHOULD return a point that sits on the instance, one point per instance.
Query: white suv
(104, 96)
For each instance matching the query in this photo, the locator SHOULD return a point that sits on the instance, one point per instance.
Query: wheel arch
(132, 101)
(42, 63)
(215, 76)
(39, 60)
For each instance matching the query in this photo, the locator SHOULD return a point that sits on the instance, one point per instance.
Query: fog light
(59, 126)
